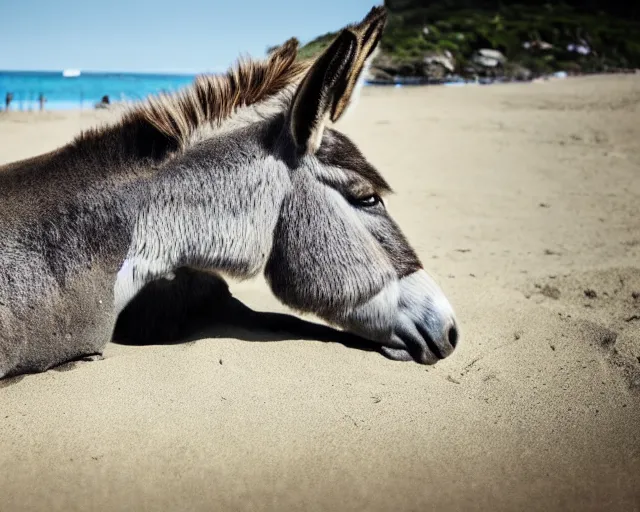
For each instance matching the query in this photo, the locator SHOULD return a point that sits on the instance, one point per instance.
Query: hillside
(440, 39)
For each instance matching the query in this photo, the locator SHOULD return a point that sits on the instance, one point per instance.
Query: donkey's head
(336, 251)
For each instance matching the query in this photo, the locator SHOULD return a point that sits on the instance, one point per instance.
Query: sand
(524, 202)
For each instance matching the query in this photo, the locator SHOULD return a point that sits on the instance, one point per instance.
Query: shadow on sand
(196, 305)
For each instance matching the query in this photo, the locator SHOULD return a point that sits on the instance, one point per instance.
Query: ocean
(84, 91)
(87, 89)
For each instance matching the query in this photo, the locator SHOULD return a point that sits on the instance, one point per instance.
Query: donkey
(235, 175)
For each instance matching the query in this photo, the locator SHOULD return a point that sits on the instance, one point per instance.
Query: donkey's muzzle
(425, 328)
(422, 343)
(440, 342)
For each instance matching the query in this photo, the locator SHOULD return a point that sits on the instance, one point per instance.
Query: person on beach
(7, 101)
(42, 100)
(104, 102)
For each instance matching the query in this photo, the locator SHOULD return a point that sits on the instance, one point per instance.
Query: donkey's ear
(327, 88)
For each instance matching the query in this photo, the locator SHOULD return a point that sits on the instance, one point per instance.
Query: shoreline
(32, 106)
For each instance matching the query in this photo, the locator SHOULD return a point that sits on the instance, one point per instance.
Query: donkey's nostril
(453, 336)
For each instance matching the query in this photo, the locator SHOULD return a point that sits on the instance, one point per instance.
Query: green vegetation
(316, 46)
(419, 29)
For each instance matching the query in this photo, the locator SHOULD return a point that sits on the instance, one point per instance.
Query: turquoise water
(83, 91)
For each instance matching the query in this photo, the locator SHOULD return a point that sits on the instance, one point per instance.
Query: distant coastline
(401, 81)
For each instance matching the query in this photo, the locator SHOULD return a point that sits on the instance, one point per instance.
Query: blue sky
(187, 36)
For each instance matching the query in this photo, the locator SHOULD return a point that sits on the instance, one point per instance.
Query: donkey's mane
(213, 98)
(170, 120)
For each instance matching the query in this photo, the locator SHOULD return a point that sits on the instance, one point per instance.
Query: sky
(168, 36)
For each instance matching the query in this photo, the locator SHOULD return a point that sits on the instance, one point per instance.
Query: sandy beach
(523, 201)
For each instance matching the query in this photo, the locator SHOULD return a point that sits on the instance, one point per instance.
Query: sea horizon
(105, 72)
(85, 90)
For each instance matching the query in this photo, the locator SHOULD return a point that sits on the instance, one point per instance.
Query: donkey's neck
(214, 208)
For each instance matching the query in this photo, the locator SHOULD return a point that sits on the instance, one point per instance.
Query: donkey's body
(85, 228)
(79, 243)
(67, 220)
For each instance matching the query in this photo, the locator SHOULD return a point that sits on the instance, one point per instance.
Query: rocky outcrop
(435, 41)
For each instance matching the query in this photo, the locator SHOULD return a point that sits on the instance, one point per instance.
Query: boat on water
(71, 73)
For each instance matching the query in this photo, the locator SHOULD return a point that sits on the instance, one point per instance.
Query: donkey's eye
(368, 201)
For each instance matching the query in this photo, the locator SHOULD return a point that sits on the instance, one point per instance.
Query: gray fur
(63, 236)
